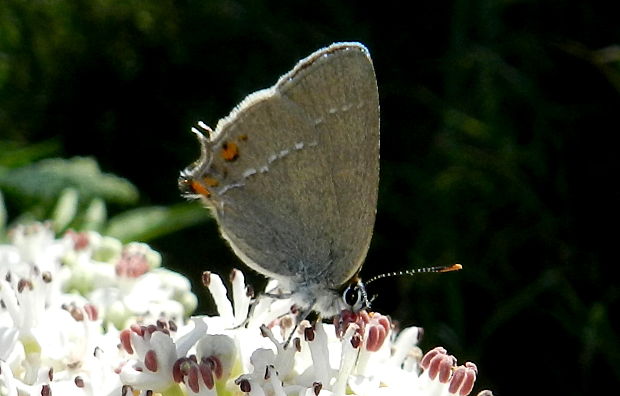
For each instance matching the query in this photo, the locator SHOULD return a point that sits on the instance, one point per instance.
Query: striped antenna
(415, 271)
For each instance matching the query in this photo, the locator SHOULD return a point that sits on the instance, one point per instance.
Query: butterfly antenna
(415, 271)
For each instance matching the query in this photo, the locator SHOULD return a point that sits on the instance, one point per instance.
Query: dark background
(499, 122)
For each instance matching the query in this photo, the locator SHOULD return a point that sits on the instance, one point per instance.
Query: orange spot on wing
(230, 151)
(211, 182)
(200, 189)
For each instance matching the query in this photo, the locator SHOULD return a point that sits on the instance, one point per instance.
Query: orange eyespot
(230, 151)
(200, 189)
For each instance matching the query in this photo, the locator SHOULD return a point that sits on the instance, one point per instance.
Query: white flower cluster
(85, 315)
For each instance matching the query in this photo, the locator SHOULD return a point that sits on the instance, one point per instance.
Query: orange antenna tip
(454, 267)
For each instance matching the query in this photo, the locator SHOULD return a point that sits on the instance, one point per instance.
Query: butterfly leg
(301, 315)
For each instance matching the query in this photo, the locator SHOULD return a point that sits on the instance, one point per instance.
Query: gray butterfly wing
(292, 173)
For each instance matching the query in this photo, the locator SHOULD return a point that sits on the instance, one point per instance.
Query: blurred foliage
(497, 151)
(45, 180)
(73, 194)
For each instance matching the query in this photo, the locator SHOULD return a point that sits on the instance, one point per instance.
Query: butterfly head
(354, 295)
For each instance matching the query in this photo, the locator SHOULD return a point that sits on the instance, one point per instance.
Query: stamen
(91, 312)
(172, 326)
(463, 379)
(150, 360)
(125, 337)
(439, 364)
(207, 375)
(244, 385)
(206, 278)
(47, 277)
(309, 334)
(192, 379)
(22, 284)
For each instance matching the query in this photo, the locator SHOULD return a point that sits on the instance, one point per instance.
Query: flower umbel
(358, 354)
(62, 301)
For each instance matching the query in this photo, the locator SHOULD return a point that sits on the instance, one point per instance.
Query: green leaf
(144, 224)
(65, 209)
(47, 179)
(14, 154)
(95, 215)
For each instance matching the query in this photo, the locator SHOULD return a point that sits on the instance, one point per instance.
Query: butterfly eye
(354, 296)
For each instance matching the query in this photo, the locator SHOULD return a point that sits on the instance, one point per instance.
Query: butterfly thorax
(312, 295)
